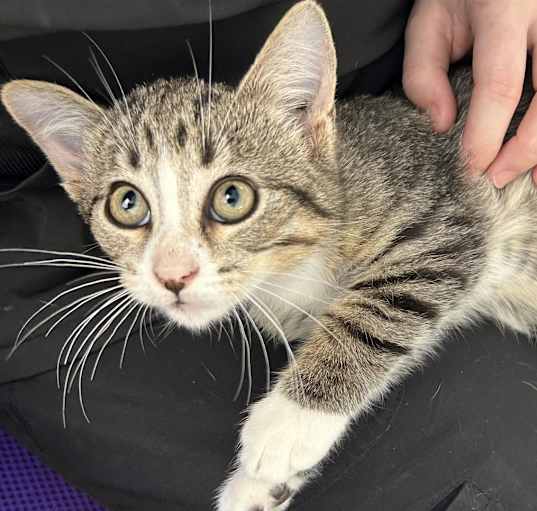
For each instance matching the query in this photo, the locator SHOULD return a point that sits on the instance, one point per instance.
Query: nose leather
(174, 268)
(175, 286)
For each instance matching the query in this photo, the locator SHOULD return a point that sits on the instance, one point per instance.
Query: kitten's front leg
(289, 432)
(361, 346)
(280, 443)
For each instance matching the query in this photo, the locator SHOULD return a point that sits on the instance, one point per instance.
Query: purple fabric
(28, 485)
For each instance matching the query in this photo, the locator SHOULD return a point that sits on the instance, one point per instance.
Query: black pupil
(232, 196)
(129, 200)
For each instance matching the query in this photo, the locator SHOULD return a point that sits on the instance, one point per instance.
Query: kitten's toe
(280, 494)
(244, 493)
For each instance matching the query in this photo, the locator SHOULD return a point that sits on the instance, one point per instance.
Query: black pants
(459, 435)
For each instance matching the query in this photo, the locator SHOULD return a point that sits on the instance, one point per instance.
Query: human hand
(501, 33)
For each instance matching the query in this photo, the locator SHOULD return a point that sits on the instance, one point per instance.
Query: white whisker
(58, 263)
(202, 116)
(243, 372)
(262, 344)
(79, 368)
(313, 318)
(20, 338)
(111, 336)
(83, 302)
(119, 296)
(264, 309)
(82, 363)
(210, 67)
(310, 297)
(246, 360)
(297, 276)
(73, 336)
(107, 60)
(91, 275)
(128, 334)
(61, 253)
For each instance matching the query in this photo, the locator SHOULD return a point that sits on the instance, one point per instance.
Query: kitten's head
(201, 194)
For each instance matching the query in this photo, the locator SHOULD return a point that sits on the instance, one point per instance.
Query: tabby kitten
(354, 231)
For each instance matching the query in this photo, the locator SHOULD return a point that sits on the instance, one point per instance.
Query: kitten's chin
(194, 317)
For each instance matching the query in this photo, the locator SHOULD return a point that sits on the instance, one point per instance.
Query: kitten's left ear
(297, 65)
(56, 118)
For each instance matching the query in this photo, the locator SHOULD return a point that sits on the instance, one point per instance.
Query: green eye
(127, 207)
(232, 200)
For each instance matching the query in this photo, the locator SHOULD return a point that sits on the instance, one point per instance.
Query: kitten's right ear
(296, 67)
(56, 119)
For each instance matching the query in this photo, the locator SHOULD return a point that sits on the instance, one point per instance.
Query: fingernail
(499, 180)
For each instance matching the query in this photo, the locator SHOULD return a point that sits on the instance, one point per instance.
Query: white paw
(242, 492)
(280, 442)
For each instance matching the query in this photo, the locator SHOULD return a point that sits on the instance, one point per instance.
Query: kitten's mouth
(187, 307)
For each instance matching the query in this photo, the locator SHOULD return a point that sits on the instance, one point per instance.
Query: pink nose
(172, 282)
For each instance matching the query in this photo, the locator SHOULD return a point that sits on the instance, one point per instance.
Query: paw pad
(280, 493)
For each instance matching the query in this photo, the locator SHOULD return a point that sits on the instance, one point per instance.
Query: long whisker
(81, 325)
(264, 309)
(111, 336)
(166, 330)
(140, 328)
(98, 70)
(82, 363)
(151, 321)
(248, 345)
(107, 60)
(220, 135)
(313, 318)
(60, 253)
(90, 275)
(202, 115)
(20, 339)
(119, 296)
(210, 67)
(300, 277)
(72, 338)
(55, 264)
(230, 341)
(71, 307)
(128, 334)
(83, 302)
(294, 291)
(246, 361)
(261, 343)
(146, 330)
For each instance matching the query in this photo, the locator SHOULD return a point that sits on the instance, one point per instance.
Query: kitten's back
(416, 203)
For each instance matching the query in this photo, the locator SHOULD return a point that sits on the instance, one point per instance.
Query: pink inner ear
(67, 163)
(56, 118)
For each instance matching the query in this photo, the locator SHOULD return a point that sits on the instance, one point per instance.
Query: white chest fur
(290, 303)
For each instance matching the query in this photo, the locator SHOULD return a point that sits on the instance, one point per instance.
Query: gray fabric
(369, 26)
(52, 15)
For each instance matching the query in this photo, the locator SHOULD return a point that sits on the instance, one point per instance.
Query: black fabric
(459, 435)
(368, 28)
(363, 32)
